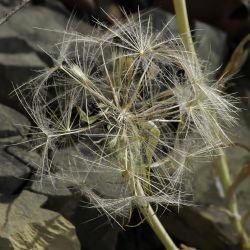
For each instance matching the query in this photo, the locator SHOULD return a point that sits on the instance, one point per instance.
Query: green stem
(221, 164)
(225, 179)
(153, 221)
(183, 24)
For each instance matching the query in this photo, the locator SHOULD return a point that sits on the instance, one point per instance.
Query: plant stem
(154, 222)
(225, 179)
(183, 24)
(221, 164)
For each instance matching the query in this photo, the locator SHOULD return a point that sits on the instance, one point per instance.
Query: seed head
(124, 109)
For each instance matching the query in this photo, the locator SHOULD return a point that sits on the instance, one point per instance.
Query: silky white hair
(126, 104)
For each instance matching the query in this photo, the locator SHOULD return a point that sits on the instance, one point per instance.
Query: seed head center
(142, 52)
(123, 116)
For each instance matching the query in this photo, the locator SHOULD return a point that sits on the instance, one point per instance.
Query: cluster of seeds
(126, 110)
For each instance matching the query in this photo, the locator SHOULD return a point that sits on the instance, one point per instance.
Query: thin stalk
(226, 182)
(183, 24)
(154, 222)
(184, 29)
(221, 164)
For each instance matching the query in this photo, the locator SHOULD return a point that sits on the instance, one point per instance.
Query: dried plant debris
(18, 6)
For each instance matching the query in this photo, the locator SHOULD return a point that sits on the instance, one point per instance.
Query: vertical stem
(153, 221)
(183, 24)
(221, 164)
(225, 179)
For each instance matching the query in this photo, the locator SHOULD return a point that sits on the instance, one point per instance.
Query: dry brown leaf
(242, 175)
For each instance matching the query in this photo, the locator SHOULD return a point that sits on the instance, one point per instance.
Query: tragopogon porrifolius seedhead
(130, 109)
